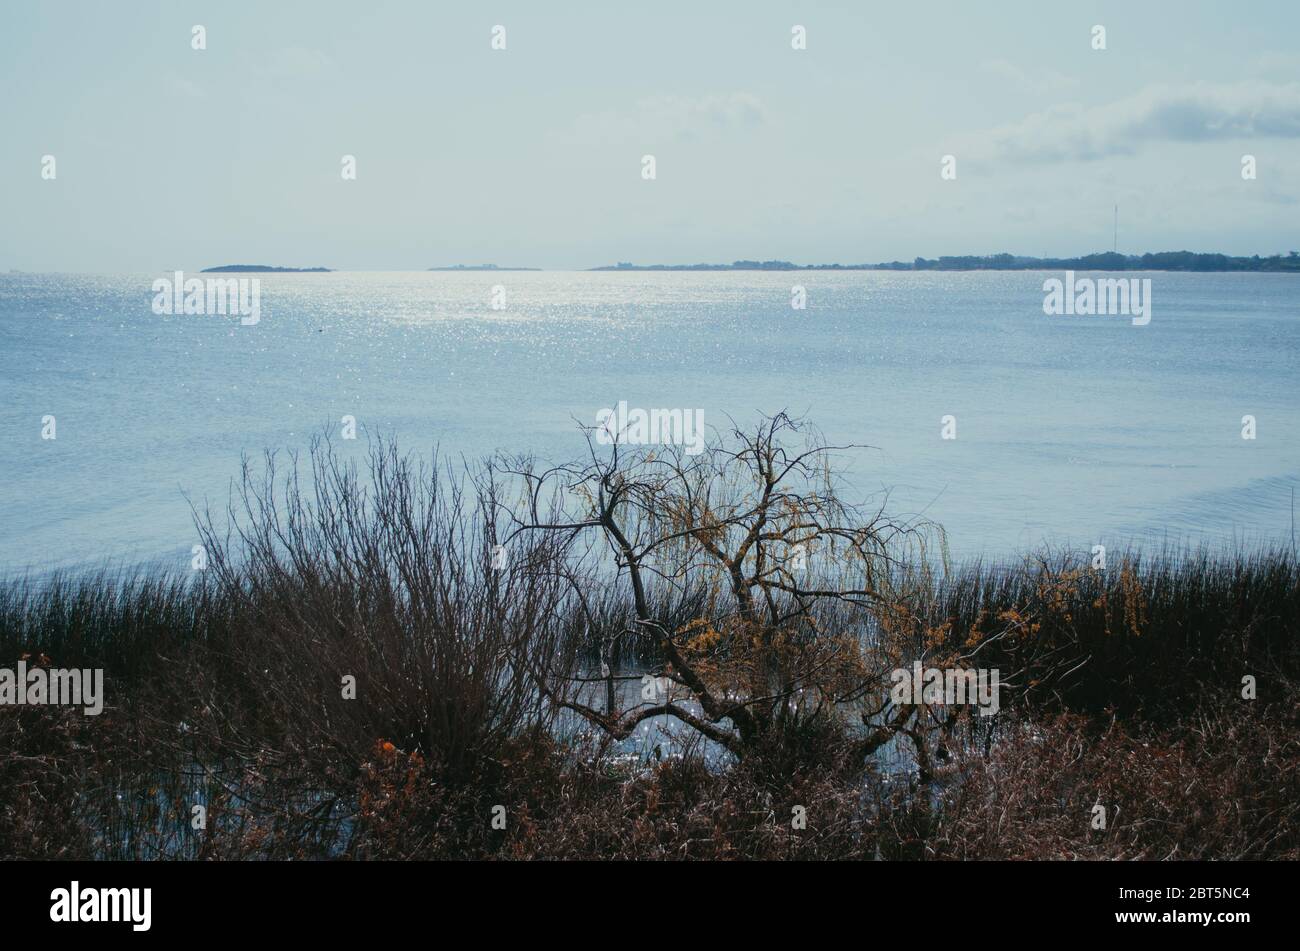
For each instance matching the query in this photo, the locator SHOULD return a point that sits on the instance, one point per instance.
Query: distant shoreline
(1172, 261)
(263, 269)
(481, 267)
(1104, 261)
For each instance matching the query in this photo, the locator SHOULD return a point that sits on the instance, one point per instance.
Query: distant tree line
(1102, 261)
(1108, 261)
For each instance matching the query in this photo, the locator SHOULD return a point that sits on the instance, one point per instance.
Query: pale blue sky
(174, 158)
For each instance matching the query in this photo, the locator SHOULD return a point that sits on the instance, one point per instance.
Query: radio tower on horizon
(1116, 247)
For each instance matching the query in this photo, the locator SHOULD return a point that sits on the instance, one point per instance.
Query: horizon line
(1007, 261)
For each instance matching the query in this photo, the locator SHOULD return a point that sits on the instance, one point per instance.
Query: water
(1070, 430)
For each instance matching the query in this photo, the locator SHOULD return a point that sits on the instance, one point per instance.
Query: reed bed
(351, 677)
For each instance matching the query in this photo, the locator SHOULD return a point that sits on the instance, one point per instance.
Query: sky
(171, 157)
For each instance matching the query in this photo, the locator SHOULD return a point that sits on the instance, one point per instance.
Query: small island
(263, 269)
(481, 267)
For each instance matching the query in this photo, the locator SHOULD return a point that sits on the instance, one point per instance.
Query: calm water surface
(1071, 430)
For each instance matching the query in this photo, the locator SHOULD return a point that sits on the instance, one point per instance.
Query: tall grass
(121, 621)
(1149, 634)
(233, 688)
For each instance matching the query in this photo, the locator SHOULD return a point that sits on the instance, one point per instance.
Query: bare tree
(790, 576)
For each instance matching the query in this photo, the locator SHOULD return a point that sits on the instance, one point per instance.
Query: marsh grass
(1148, 636)
(225, 688)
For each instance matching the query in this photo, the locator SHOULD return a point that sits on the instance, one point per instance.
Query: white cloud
(294, 62)
(1276, 65)
(674, 117)
(1200, 112)
(1047, 81)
